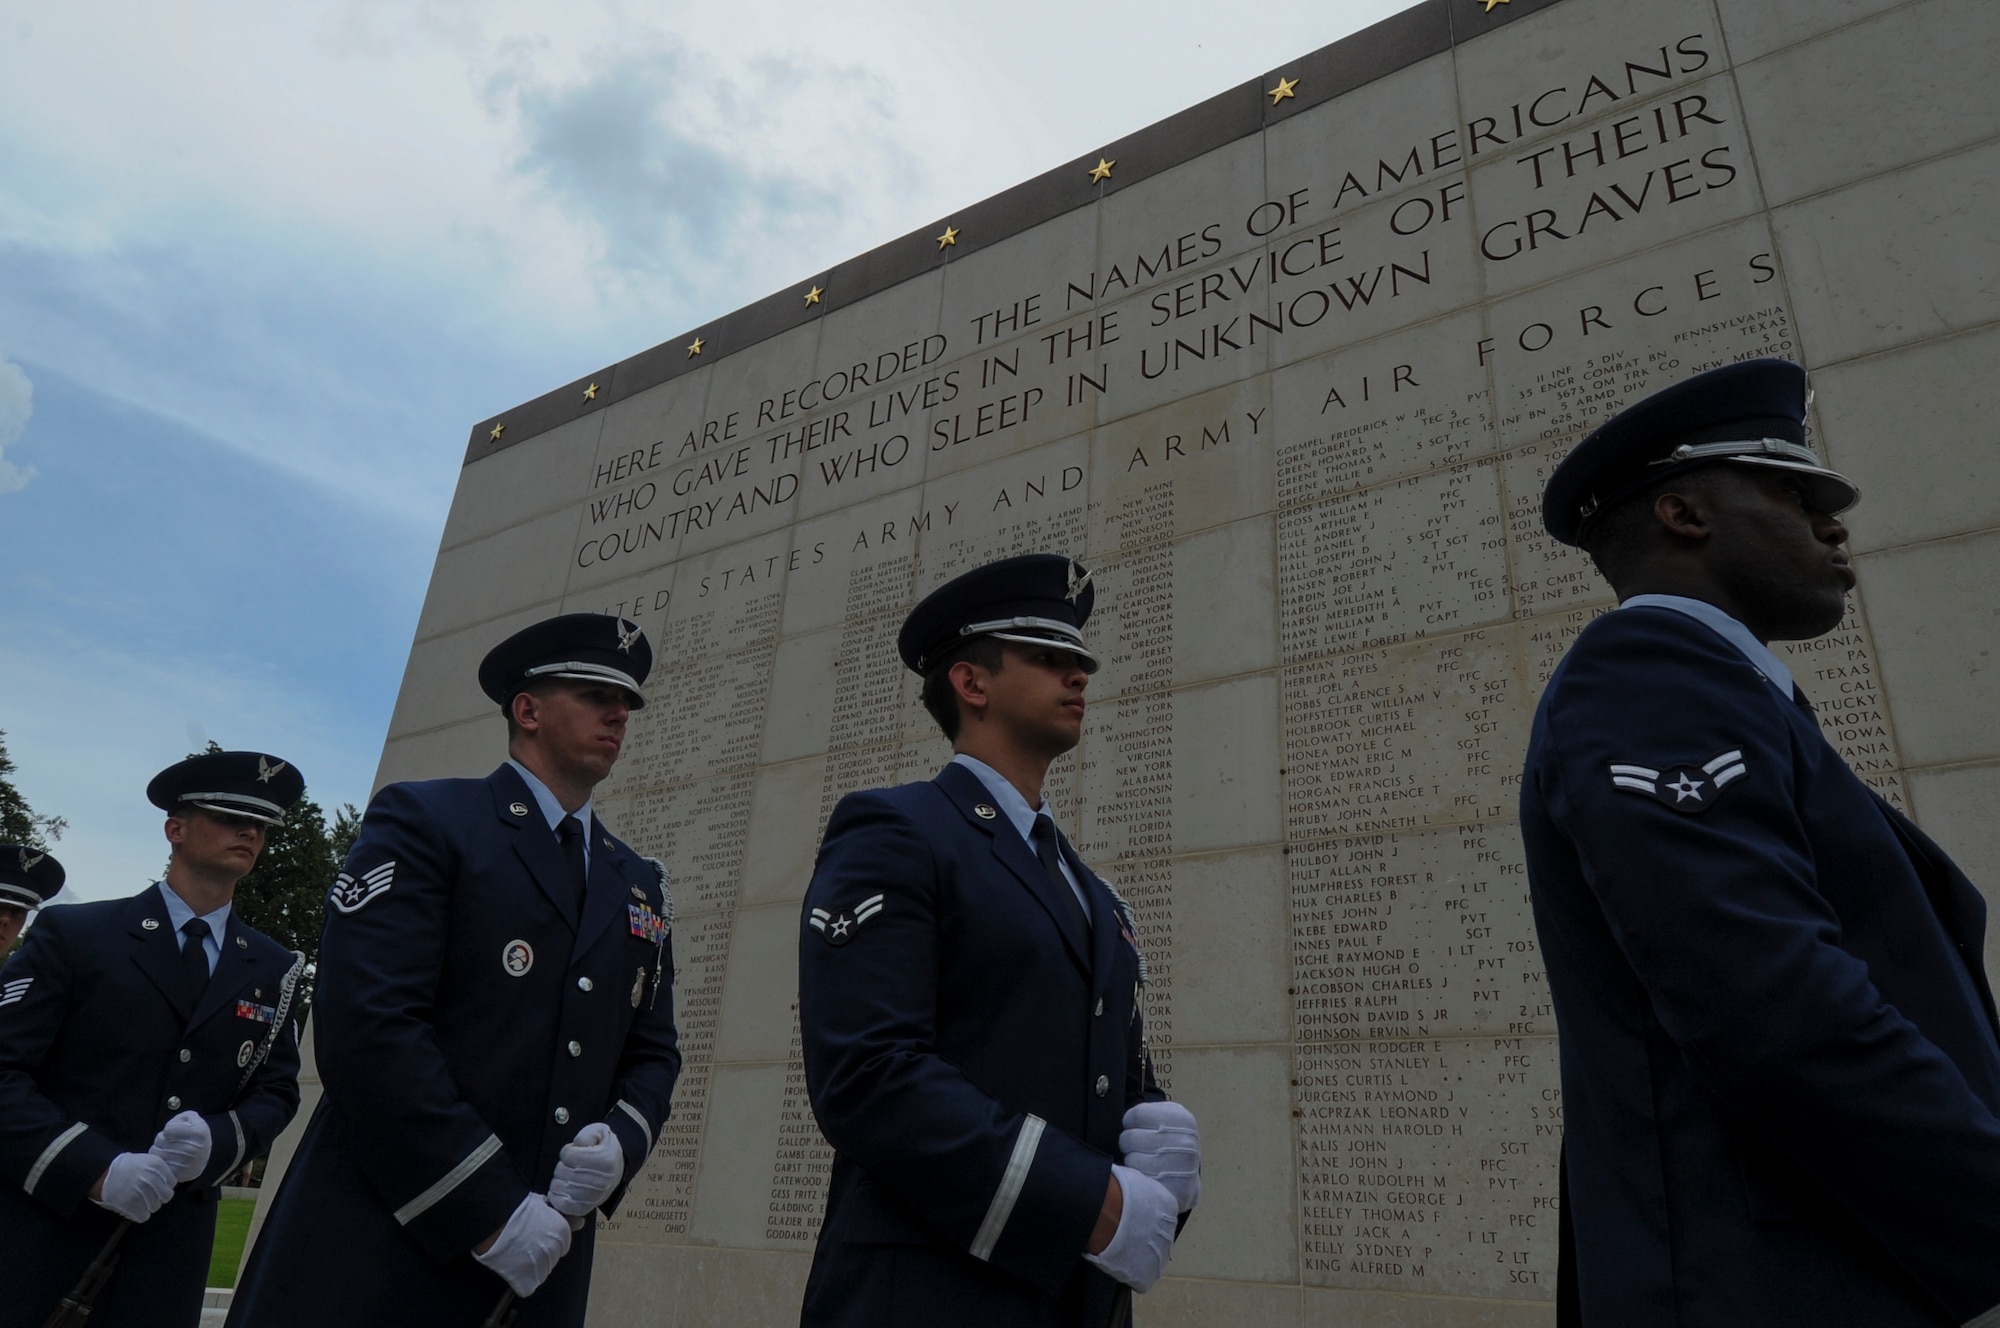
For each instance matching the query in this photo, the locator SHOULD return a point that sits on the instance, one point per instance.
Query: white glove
(588, 1171)
(526, 1250)
(184, 1144)
(1144, 1241)
(137, 1185)
(1160, 1139)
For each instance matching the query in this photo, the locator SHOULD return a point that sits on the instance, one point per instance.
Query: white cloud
(17, 403)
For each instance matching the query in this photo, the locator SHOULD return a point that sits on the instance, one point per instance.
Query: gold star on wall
(590, 393)
(1282, 91)
(812, 296)
(498, 429)
(1490, 3)
(694, 348)
(1101, 171)
(950, 236)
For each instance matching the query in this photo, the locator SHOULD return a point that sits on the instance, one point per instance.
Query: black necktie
(570, 832)
(194, 961)
(1044, 835)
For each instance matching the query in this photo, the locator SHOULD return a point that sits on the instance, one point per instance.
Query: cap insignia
(984, 811)
(1076, 582)
(627, 638)
(29, 861)
(266, 772)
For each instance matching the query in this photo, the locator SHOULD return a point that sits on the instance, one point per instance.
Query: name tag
(262, 1014)
(646, 924)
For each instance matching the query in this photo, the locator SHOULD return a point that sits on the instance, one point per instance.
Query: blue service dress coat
(98, 1050)
(1781, 1075)
(970, 1050)
(469, 1023)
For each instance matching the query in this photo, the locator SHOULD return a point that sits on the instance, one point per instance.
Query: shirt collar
(1004, 794)
(546, 800)
(179, 911)
(1725, 627)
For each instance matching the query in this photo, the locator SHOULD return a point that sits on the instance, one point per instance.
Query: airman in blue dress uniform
(1780, 1067)
(494, 1021)
(148, 1050)
(970, 1006)
(29, 878)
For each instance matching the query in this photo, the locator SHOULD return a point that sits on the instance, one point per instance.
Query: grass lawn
(232, 1225)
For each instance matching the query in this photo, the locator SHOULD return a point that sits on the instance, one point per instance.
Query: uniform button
(173, 1104)
(1103, 1084)
(186, 1055)
(562, 1115)
(1100, 1007)
(576, 1049)
(584, 984)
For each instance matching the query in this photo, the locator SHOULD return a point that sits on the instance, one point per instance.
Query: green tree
(18, 822)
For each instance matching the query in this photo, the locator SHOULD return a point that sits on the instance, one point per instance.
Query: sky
(263, 266)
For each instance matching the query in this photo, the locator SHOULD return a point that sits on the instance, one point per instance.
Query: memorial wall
(1288, 372)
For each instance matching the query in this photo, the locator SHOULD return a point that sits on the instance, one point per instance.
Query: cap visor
(1090, 661)
(630, 688)
(1829, 491)
(20, 897)
(208, 802)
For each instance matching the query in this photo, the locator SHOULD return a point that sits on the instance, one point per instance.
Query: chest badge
(638, 894)
(517, 958)
(838, 928)
(1688, 789)
(638, 986)
(244, 1053)
(984, 811)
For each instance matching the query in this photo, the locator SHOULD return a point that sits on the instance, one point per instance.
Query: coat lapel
(1106, 932)
(154, 948)
(534, 843)
(606, 893)
(966, 792)
(232, 971)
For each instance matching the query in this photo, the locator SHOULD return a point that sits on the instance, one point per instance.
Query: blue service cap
(588, 647)
(29, 877)
(250, 784)
(1748, 414)
(1040, 599)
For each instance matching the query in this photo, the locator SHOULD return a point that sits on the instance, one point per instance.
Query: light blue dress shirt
(1018, 813)
(1726, 627)
(178, 915)
(554, 810)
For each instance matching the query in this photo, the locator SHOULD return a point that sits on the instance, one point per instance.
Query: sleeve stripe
(1016, 1176)
(645, 1130)
(61, 1141)
(448, 1182)
(241, 1145)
